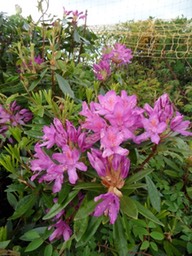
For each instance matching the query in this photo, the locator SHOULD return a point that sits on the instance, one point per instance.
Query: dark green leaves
(119, 237)
(154, 195)
(56, 208)
(147, 213)
(128, 207)
(24, 205)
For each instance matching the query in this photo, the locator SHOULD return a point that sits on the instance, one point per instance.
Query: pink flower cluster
(74, 16)
(70, 143)
(108, 125)
(13, 115)
(119, 54)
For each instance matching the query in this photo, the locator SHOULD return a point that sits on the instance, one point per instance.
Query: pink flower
(68, 160)
(106, 103)
(121, 165)
(111, 138)
(99, 163)
(118, 54)
(178, 125)
(121, 54)
(164, 108)
(61, 230)
(76, 15)
(102, 70)
(19, 115)
(13, 115)
(4, 116)
(54, 134)
(38, 60)
(113, 168)
(153, 128)
(41, 163)
(93, 121)
(109, 206)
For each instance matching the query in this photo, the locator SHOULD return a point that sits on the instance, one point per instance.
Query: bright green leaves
(157, 235)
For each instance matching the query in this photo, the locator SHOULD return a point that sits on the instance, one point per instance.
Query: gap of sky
(102, 12)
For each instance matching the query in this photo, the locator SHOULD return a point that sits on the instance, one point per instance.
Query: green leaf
(86, 209)
(76, 37)
(134, 186)
(171, 164)
(144, 245)
(64, 86)
(55, 209)
(119, 237)
(147, 213)
(4, 244)
(157, 235)
(128, 207)
(34, 245)
(189, 247)
(154, 195)
(16, 133)
(137, 176)
(82, 217)
(80, 227)
(36, 82)
(154, 246)
(89, 186)
(12, 199)
(30, 235)
(48, 250)
(24, 205)
(172, 173)
(58, 207)
(92, 227)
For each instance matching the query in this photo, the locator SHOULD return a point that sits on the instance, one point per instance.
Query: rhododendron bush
(88, 168)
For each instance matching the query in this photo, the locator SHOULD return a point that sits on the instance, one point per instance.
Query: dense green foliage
(47, 68)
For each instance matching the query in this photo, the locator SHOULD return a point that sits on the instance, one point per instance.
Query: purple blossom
(76, 15)
(102, 70)
(121, 54)
(42, 162)
(153, 128)
(164, 108)
(120, 165)
(99, 163)
(178, 125)
(109, 206)
(106, 103)
(4, 116)
(118, 54)
(38, 60)
(62, 229)
(54, 134)
(13, 115)
(69, 160)
(111, 138)
(112, 170)
(93, 121)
